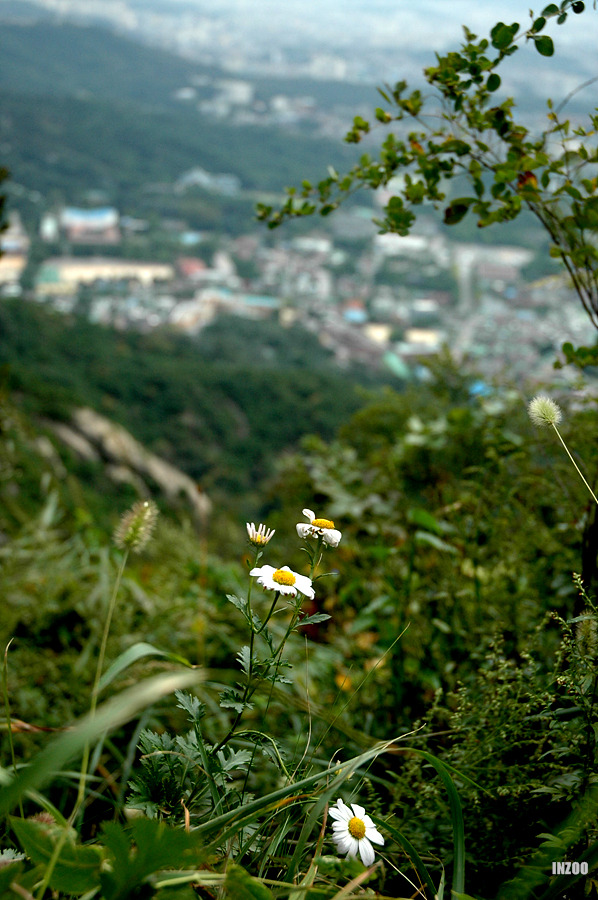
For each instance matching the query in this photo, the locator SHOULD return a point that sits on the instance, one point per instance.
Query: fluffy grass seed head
(136, 526)
(544, 411)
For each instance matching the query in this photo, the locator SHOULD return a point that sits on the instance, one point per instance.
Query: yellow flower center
(322, 523)
(356, 828)
(282, 576)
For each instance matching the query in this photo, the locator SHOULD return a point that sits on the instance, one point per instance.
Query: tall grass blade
(110, 715)
(458, 885)
(133, 654)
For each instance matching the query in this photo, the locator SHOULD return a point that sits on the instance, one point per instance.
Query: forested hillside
(221, 408)
(97, 112)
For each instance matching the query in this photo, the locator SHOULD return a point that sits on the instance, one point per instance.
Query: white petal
(353, 846)
(303, 584)
(359, 811)
(343, 843)
(332, 537)
(372, 834)
(309, 513)
(303, 530)
(285, 588)
(366, 851)
(264, 570)
(340, 811)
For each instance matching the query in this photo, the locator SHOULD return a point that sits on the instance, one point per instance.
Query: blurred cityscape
(361, 299)
(381, 300)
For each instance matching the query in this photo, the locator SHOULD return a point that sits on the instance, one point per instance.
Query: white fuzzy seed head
(544, 411)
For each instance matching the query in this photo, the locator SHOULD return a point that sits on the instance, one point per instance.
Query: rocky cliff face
(95, 438)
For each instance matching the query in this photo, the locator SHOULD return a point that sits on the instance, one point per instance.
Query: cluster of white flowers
(284, 579)
(353, 830)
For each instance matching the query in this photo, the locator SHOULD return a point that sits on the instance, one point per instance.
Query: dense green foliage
(72, 145)
(448, 610)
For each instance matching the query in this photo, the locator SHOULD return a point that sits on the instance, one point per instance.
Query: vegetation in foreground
(439, 683)
(392, 693)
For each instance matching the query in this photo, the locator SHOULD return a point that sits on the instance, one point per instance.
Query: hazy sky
(428, 23)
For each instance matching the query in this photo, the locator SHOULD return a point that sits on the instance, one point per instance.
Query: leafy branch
(469, 135)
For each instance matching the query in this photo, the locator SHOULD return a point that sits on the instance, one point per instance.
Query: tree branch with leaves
(461, 131)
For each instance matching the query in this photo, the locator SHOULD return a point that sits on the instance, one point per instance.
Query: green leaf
(138, 651)
(191, 704)
(502, 35)
(77, 867)
(411, 852)
(140, 849)
(239, 885)
(538, 24)
(313, 620)
(453, 145)
(456, 211)
(493, 82)
(9, 872)
(550, 10)
(458, 885)
(239, 602)
(236, 759)
(424, 537)
(442, 626)
(244, 659)
(424, 519)
(544, 45)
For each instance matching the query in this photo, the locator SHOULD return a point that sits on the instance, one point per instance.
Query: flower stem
(86, 751)
(579, 472)
(7, 713)
(96, 683)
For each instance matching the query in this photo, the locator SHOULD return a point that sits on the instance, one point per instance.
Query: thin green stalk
(8, 718)
(270, 613)
(579, 472)
(86, 750)
(95, 689)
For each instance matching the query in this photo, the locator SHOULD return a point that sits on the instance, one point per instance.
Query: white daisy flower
(353, 831)
(260, 535)
(323, 528)
(284, 580)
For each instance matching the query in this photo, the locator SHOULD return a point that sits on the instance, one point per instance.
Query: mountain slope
(76, 60)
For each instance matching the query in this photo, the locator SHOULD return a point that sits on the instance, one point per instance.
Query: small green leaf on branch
(544, 45)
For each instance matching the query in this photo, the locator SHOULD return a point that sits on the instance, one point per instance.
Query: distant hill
(82, 60)
(221, 408)
(82, 108)
(70, 145)
(47, 58)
